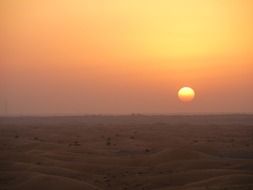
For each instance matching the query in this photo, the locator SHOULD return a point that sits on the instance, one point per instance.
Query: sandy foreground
(127, 152)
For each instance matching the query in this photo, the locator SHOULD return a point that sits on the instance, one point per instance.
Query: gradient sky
(119, 57)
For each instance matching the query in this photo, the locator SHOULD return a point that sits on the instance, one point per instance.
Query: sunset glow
(125, 56)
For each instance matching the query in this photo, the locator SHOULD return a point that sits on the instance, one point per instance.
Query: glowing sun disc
(186, 94)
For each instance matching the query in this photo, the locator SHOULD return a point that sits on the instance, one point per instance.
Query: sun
(186, 94)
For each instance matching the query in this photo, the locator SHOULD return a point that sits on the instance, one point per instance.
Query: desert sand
(127, 153)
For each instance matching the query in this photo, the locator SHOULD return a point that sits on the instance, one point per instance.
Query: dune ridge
(143, 154)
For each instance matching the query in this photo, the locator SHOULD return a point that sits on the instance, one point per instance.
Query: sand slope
(135, 152)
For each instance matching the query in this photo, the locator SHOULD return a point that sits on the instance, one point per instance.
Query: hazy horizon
(178, 114)
(117, 57)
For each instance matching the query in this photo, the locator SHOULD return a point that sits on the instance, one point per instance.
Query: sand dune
(134, 152)
(41, 182)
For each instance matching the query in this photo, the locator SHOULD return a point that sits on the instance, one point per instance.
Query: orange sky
(85, 57)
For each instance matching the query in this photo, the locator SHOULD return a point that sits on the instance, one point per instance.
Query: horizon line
(126, 114)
